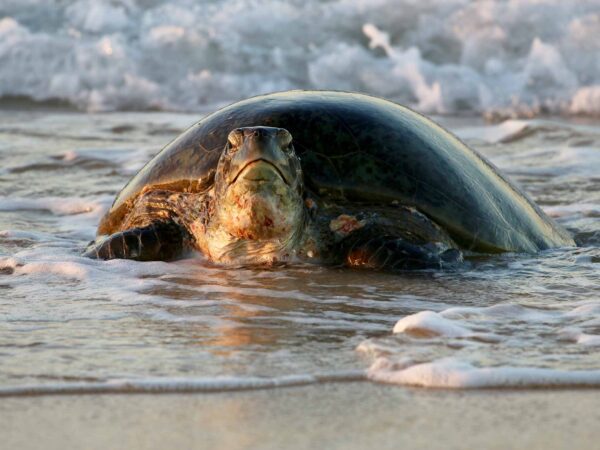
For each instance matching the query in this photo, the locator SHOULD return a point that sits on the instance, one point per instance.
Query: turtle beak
(260, 154)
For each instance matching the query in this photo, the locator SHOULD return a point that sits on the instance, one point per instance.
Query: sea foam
(470, 347)
(514, 58)
(449, 373)
(180, 385)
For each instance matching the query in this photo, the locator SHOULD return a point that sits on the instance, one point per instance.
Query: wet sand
(343, 415)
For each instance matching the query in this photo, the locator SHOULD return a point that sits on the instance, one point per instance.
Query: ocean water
(72, 75)
(72, 324)
(514, 58)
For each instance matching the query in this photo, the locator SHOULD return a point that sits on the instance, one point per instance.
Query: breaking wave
(514, 58)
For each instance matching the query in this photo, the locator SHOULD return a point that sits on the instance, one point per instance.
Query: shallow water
(125, 325)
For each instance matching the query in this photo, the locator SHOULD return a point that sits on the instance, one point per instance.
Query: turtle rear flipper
(160, 241)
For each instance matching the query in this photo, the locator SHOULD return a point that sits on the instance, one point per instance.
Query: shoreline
(340, 415)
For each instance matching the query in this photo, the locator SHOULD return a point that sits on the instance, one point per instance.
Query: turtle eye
(232, 148)
(235, 139)
(285, 139)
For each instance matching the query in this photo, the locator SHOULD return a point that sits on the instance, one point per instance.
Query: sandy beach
(336, 416)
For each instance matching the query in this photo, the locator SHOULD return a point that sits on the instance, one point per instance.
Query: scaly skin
(257, 213)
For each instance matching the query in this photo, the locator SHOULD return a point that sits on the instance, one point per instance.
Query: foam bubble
(585, 310)
(509, 311)
(505, 131)
(451, 373)
(62, 269)
(586, 101)
(429, 323)
(61, 206)
(96, 17)
(576, 335)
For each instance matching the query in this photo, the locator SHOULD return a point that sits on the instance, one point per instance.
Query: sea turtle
(365, 183)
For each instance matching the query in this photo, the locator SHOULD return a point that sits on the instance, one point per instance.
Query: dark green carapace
(361, 150)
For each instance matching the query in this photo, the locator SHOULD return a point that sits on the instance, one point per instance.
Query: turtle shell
(356, 148)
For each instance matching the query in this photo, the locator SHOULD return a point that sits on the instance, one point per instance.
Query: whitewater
(500, 59)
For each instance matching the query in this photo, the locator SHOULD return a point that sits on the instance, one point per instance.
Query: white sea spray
(514, 58)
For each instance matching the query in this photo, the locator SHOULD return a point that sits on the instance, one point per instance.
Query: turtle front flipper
(394, 254)
(384, 252)
(160, 241)
(372, 247)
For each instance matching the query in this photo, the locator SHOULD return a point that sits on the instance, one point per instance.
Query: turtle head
(258, 185)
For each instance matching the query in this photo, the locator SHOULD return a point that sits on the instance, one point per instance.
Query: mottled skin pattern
(360, 149)
(157, 228)
(257, 212)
